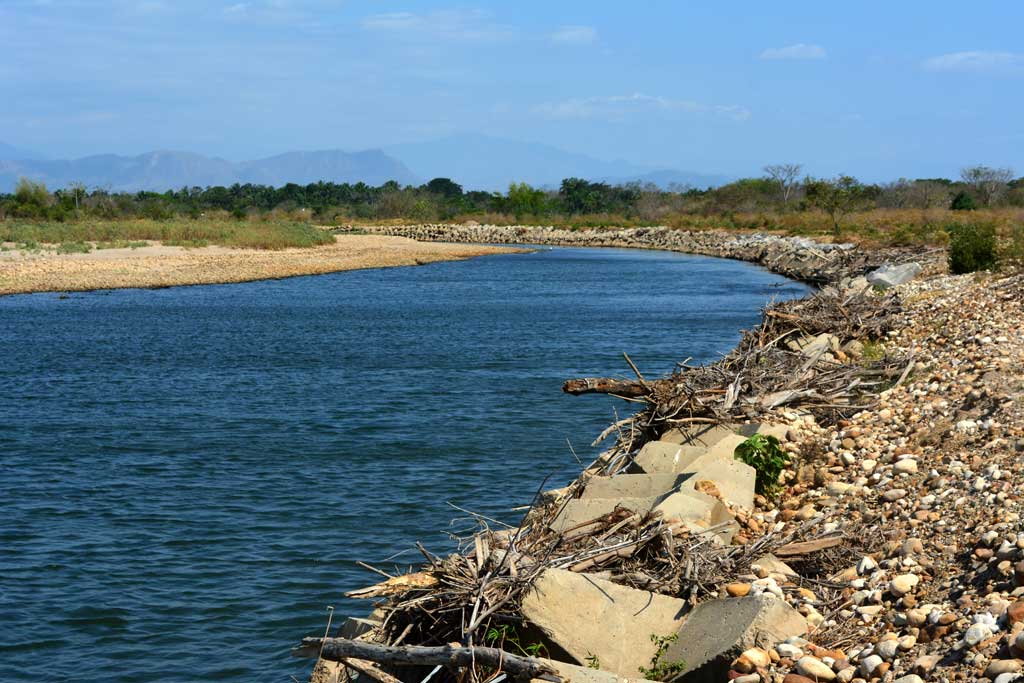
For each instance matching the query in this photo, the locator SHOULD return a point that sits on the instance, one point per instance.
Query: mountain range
(477, 162)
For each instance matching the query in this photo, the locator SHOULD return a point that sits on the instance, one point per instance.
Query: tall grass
(245, 234)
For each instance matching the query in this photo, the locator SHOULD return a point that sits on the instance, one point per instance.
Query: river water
(188, 475)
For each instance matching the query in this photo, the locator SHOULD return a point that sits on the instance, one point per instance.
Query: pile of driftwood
(454, 613)
(764, 372)
(455, 618)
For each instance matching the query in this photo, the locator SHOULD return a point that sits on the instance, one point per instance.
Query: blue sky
(877, 89)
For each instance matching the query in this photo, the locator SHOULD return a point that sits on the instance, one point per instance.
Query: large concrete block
(586, 616)
(662, 457)
(703, 435)
(632, 485)
(699, 512)
(777, 430)
(579, 511)
(716, 632)
(891, 275)
(735, 480)
(571, 673)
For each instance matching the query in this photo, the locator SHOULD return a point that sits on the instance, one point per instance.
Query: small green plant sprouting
(497, 636)
(873, 350)
(662, 671)
(764, 453)
(592, 661)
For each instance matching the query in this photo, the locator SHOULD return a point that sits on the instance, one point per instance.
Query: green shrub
(963, 202)
(764, 453)
(73, 248)
(972, 247)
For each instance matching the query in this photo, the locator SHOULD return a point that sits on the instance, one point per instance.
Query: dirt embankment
(166, 266)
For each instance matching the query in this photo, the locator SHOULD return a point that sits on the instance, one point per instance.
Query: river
(188, 475)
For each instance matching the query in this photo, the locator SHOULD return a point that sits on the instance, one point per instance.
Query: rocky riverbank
(795, 257)
(889, 548)
(156, 265)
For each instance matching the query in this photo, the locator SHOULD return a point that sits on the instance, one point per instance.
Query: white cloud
(456, 25)
(574, 35)
(797, 51)
(618, 107)
(976, 60)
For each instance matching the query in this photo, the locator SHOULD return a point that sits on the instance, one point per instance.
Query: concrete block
(587, 616)
(718, 631)
(891, 275)
(766, 428)
(704, 435)
(632, 486)
(699, 512)
(571, 673)
(662, 457)
(735, 480)
(579, 511)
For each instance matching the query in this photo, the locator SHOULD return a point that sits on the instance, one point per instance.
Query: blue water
(187, 469)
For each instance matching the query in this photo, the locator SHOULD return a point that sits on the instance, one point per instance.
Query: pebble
(903, 584)
(977, 633)
(869, 664)
(814, 668)
(894, 494)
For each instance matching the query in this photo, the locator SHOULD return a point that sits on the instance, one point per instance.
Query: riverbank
(798, 258)
(886, 549)
(156, 265)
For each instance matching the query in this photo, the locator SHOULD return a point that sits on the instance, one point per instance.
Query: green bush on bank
(972, 247)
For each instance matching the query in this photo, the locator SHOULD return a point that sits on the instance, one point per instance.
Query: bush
(764, 453)
(972, 247)
(963, 202)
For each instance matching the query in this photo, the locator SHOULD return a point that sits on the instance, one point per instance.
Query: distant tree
(785, 176)
(836, 197)
(988, 183)
(444, 187)
(524, 200)
(928, 193)
(77, 191)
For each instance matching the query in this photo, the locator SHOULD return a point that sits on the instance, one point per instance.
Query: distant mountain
(481, 162)
(12, 152)
(159, 171)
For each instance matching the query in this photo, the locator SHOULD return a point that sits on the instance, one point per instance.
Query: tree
(988, 183)
(836, 197)
(784, 175)
(524, 200)
(444, 187)
(77, 191)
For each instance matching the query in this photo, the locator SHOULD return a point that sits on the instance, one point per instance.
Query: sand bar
(157, 265)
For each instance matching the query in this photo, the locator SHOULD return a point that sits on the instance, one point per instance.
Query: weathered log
(606, 385)
(343, 649)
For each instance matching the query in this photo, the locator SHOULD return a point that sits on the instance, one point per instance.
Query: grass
(74, 248)
(246, 234)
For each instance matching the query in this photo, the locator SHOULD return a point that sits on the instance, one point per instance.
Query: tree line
(783, 188)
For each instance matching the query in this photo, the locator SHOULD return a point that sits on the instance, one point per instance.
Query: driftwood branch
(606, 385)
(343, 650)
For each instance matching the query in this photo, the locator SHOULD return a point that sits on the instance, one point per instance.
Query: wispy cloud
(619, 107)
(977, 60)
(457, 25)
(797, 51)
(574, 35)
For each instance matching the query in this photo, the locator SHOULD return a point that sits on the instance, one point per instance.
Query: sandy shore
(164, 266)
